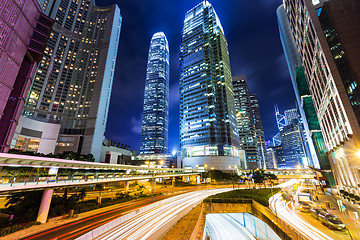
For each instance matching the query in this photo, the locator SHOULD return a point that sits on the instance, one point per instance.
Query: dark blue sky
(254, 46)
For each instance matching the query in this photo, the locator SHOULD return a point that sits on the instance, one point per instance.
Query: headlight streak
(144, 225)
(289, 215)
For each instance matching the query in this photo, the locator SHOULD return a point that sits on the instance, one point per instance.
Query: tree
(258, 176)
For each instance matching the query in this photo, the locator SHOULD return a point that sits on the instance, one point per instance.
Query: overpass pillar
(127, 186)
(173, 181)
(45, 205)
(153, 184)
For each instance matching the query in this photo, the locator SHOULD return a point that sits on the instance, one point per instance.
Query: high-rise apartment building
(312, 135)
(24, 30)
(259, 132)
(326, 35)
(73, 82)
(154, 135)
(208, 128)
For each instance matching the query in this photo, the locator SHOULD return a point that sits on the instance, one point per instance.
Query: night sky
(254, 46)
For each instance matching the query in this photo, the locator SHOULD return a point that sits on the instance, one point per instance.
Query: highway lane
(223, 227)
(75, 229)
(286, 212)
(155, 222)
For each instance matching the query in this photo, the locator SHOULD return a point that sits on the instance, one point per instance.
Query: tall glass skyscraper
(154, 135)
(207, 111)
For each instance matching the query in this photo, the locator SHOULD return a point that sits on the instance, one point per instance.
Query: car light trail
(223, 227)
(288, 214)
(156, 221)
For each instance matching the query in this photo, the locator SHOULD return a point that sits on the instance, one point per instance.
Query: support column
(173, 181)
(193, 179)
(45, 205)
(153, 184)
(197, 179)
(127, 186)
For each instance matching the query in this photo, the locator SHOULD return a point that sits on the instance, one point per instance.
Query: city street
(154, 223)
(305, 223)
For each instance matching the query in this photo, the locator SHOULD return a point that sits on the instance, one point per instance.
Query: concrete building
(73, 82)
(115, 153)
(24, 30)
(34, 136)
(154, 132)
(327, 36)
(208, 128)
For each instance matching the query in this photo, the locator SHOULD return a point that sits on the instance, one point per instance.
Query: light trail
(223, 227)
(288, 214)
(153, 223)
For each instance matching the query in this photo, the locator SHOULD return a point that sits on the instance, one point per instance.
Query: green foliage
(218, 175)
(24, 205)
(260, 195)
(65, 155)
(13, 228)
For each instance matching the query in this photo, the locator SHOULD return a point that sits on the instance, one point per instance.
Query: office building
(245, 121)
(326, 35)
(259, 132)
(208, 128)
(293, 147)
(312, 135)
(154, 134)
(24, 30)
(73, 82)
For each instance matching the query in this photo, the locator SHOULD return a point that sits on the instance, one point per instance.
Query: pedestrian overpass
(91, 173)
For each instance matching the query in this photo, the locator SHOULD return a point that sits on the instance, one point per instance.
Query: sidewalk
(348, 217)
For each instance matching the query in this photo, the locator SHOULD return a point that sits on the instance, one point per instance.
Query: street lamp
(358, 153)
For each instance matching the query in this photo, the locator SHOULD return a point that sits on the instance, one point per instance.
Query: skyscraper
(292, 146)
(24, 30)
(312, 135)
(154, 135)
(207, 111)
(326, 35)
(259, 132)
(73, 82)
(245, 121)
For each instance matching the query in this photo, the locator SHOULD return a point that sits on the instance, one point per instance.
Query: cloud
(136, 125)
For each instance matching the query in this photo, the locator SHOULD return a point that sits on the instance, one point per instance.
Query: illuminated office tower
(259, 132)
(312, 135)
(208, 128)
(326, 35)
(24, 30)
(73, 82)
(154, 135)
(245, 121)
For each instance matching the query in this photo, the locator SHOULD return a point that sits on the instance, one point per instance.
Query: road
(223, 227)
(155, 222)
(77, 228)
(304, 223)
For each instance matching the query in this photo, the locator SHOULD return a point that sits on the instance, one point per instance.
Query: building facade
(24, 30)
(154, 134)
(73, 82)
(312, 135)
(293, 147)
(259, 131)
(326, 35)
(207, 111)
